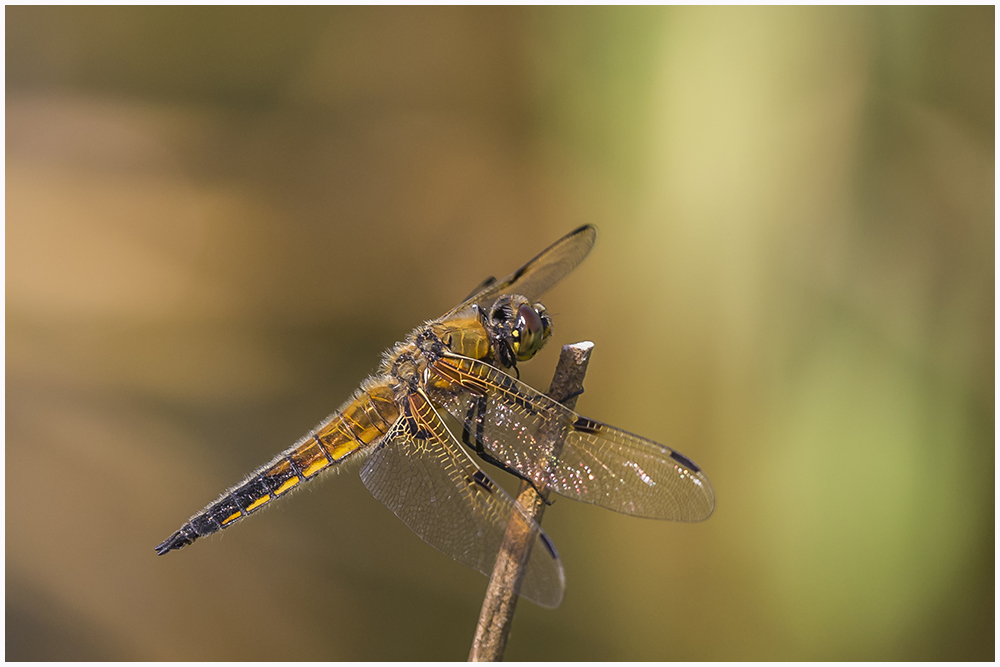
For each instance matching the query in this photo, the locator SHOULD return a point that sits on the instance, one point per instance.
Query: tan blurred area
(217, 219)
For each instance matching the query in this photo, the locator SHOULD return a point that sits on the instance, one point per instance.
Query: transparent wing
(424, 476)
(598, 463)
(545, 270)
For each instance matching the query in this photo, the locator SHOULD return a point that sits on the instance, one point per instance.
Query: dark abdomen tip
(178, 540)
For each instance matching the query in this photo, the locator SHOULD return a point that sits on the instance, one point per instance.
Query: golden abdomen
(360, 422)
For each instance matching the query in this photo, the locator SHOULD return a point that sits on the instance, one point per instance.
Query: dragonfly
(464, 364)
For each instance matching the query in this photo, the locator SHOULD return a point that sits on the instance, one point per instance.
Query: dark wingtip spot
(551, 548)
(684, 461)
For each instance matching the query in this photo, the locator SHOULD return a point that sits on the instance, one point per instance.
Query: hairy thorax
(406, 364)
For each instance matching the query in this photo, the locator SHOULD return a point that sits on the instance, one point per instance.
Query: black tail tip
(178, 540)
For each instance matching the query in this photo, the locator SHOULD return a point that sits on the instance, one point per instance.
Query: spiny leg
(470, 415)
(574, 394)
(477, 413)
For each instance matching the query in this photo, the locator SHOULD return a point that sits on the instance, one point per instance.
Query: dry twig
(497, 612)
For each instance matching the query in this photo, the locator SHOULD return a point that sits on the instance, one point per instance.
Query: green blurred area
(218, 218)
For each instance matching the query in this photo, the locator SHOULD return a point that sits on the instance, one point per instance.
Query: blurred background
(217, 219)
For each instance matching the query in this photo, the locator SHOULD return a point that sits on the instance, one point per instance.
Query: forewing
(597, 464)
(424, 476)
(545, 270)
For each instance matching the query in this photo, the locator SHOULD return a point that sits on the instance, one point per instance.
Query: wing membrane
(545, 270)
(598, 463)
(424, 476)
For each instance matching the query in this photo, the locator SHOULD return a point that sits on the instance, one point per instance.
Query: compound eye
(546, 320)
(528, 334)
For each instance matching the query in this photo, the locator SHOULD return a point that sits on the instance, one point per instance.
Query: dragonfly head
(519, 328)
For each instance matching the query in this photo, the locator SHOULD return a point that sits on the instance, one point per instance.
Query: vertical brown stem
(497, 613)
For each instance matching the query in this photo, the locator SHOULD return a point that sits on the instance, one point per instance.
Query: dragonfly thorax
(406, 363)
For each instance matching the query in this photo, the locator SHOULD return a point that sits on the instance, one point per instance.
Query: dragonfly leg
(477, 413)
(487, 456)
(573, 394)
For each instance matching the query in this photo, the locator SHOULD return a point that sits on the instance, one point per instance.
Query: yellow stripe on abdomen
(359, 423)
